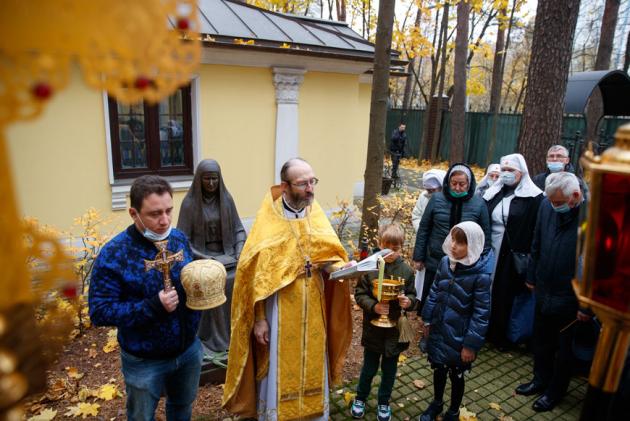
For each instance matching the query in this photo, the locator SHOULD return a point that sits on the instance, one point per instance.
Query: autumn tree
(458, 115)
(541, 125)
(378, 114)
(595, 108)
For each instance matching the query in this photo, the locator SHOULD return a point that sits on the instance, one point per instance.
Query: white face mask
(152, 235)
(508, 178)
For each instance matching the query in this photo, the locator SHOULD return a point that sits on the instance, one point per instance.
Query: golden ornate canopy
(135, 50)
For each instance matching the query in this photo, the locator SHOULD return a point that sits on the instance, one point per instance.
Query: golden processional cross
(164, 259)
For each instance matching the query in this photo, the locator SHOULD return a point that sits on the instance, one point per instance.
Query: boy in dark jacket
(456, 314)
(382, 344)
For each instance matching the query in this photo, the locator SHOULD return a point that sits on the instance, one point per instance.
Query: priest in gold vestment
(290, 328)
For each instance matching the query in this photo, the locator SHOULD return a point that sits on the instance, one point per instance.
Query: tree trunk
(409, 83)
(497, 76)
(437, 126)
(541, 126)
(626, 60)
(609, 23)
(458, 114)
(595, 107)
(373, 175)
(341, 10)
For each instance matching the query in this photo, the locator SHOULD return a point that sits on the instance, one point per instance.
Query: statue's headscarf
(192, 209)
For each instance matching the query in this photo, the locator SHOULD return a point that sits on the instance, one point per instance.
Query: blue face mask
(564, 208)
(152, 235)
(458, 195)
(555, 166)
(508, 178)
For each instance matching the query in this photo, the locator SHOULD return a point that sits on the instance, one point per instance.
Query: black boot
(431, 413)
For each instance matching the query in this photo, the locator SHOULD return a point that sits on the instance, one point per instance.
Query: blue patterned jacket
(122, 294)
(458, 309)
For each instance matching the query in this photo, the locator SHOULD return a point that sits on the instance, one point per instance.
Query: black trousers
(371, 361)
(395, 162)
(457, 385)
(553, 355)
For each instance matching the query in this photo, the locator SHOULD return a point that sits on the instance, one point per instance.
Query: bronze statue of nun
(209, 219)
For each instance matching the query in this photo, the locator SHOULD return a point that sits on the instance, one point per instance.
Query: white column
(287, 82)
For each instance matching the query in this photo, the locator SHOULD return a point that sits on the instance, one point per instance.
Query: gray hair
(559, 148)
(563, 181)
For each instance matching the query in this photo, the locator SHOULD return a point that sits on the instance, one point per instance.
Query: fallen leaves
(112, 342)
(108, 392)
(419, 384)
(83, 410)
(348, 397)
(466, 415)
(45, 415)
(495, 406)
(73, 373)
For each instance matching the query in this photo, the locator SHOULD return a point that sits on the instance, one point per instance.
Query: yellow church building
(270, 86)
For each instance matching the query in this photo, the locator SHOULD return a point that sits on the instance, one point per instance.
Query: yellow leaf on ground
(494, 405)
(84, 394)
(83, 410)
(112, 333)
(108, 392)
(402, 358)
(466, 415)
(419, 384)
(110, 346)
(73, 373)
(348, 397)
(46, 415)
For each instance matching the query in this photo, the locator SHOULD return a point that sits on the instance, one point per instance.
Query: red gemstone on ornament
(42, 90)
(142, 83)
(183, 24)
(69, 291)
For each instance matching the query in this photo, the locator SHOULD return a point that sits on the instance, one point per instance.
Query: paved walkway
(489, 391)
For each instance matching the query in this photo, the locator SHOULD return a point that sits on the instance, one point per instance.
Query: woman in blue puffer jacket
(456, 314)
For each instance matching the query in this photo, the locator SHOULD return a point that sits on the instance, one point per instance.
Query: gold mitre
(204, 282)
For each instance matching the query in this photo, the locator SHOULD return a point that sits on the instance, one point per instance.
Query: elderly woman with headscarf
(513, 205)
(432, 181)
(456, 203)
(492, 176)
(210, 220)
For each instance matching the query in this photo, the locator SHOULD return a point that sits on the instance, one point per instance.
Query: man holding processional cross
(136, 287)
(280, 285)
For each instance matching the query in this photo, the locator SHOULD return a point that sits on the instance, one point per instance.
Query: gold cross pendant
(164, 259)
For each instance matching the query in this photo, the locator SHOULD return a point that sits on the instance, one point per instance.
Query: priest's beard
(299, 199)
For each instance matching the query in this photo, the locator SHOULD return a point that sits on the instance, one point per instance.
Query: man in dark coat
(397, 147)
(456, 203)
(558, 160)
(551, 269)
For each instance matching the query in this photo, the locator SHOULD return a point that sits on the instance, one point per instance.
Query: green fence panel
(478, 128)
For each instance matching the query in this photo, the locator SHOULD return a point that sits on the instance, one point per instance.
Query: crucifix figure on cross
(164, 259)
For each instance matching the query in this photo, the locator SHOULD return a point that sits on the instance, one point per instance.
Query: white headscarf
(484, 184)
(476, 239)
(525, 188)
(433, 178)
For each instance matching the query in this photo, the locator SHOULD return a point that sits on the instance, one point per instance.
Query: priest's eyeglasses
(302, 185)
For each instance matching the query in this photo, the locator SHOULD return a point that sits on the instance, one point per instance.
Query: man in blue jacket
(135, 286)
(550, 271)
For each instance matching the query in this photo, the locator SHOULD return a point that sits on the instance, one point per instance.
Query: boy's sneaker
(431, 413)
(451, 415)
(384, 413)
(358, 409)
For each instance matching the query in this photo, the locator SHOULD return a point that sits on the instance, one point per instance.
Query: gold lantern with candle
(602, 280)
